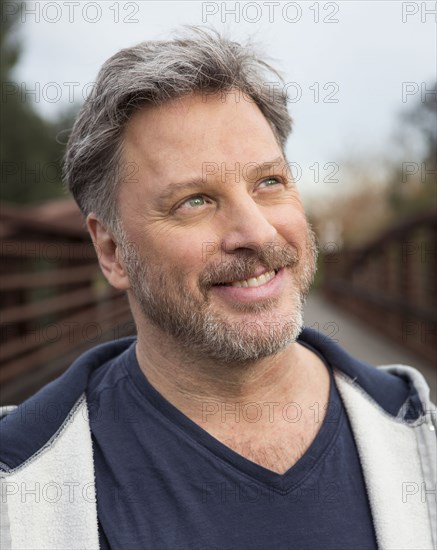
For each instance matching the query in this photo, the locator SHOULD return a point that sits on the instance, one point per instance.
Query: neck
(192, 383)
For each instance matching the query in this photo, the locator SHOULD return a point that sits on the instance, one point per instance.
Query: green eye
(195, 201)
(270, 182)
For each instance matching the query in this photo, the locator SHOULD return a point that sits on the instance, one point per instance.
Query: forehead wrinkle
(201, 182)
(265, 166)
(172, 188)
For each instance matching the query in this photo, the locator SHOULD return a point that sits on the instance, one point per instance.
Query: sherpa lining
(391, 467)
(51, 501)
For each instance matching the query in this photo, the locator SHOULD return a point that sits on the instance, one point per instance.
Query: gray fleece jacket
(48, 498)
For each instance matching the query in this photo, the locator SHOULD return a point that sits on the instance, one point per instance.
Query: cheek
(291, 224)
(180, 253)
(293, 229)
(186, 255)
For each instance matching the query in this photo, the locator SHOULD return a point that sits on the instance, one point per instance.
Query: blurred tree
(407, 187)
(30, 153)
(413, 186)
(9, 47)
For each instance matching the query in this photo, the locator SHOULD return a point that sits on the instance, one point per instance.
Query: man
(223, 424)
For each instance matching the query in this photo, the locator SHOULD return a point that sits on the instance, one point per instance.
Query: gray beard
(166, 301)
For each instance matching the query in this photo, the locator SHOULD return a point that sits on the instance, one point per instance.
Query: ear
(107, 253)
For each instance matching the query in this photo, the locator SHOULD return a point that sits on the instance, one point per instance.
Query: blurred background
(361, 83)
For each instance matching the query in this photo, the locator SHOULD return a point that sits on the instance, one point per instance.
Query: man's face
(217, 247)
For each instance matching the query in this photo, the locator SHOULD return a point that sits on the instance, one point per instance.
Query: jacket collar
(35, 422)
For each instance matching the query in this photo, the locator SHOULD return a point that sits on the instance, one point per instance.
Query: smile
(265, 286)
(253, 282)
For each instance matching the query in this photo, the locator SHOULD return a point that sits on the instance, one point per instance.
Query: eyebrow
(199, 182)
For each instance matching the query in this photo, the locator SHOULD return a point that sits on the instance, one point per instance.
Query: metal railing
(391, 283)
(54, 303)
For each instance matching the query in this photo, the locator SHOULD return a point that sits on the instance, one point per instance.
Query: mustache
(244, 264)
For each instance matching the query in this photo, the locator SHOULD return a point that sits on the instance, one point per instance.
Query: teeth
(255, 281)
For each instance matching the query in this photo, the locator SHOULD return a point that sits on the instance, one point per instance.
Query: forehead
(180, 136)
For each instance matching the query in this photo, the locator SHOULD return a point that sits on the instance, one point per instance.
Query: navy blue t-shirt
(164, 483)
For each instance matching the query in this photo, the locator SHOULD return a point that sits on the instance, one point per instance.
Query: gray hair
(152, 73)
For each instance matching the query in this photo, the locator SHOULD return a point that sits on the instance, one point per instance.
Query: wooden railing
(391, 284)
(54, 303)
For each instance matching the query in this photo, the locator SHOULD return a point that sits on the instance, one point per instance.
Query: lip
(271, 289)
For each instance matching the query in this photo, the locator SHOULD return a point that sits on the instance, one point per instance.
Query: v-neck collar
(282, 483)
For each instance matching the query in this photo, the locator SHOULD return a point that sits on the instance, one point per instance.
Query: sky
(351, 68)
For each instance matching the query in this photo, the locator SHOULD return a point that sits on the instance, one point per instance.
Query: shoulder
(397, 389)
(29, 427)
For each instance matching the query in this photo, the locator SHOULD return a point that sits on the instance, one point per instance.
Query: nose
(247, 227)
